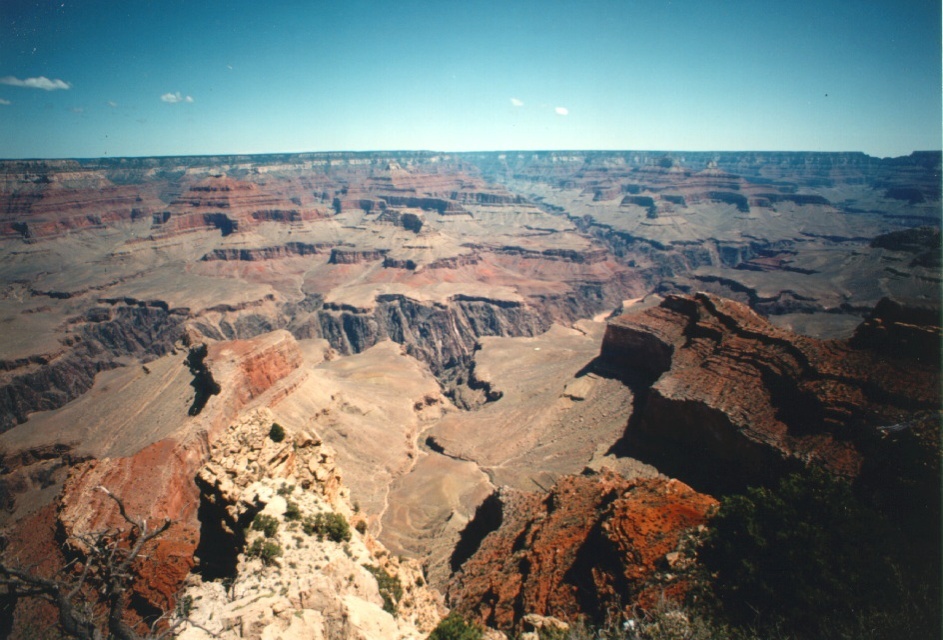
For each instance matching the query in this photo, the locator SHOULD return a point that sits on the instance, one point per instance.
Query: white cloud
(174, 98)
(562, 111)
(112, 104)
(5, 102)
(42, 82)
(77, 109)
(517, 103)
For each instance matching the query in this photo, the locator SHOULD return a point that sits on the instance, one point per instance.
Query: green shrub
(268, 525)
(455, 627)
(185, 606)
(292, 511)
(266, 550)
(800, 555)
(277, 432)
(391, 590)
(285, 490)
(333, 526)
(361, 526)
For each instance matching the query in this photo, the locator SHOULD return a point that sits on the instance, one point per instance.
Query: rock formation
(155, 484)
(728, 400)
(428, 316)
(594, 546)
(302, 578)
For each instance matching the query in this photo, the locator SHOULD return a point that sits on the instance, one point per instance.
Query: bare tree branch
(109, 557)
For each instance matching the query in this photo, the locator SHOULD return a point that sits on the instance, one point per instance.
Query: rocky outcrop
(154, 484)
(729, 400)
(308, 571)
(903, 328)
(246, 371)
(54, 204)
(589, 256)
(924, 243)
(289, 249)
(223, 203)
(355, 256)
(440, 205)
(594, 546)
(442, 335)
(409, 220)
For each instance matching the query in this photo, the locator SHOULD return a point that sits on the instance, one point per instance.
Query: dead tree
(106, 571)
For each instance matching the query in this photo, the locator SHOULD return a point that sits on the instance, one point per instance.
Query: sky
(93, 78)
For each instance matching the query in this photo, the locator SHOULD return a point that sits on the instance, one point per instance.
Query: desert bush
(455, 627)
(292, 511)
(391, 590)
(285, 490)
(800, 555)
(333, 526)
(268, 525)
(277, 432)
(266, 550)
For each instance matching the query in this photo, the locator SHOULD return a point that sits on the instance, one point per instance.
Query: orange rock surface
(155, 484)
(32, 544)
(589, 547)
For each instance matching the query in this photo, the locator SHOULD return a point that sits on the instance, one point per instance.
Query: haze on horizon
(168, 77)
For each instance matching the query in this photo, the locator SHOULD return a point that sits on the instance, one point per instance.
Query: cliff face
(593, 546)
(729, 400)
(442, 335)
(96, 340)
(156, 482)
(321, 582)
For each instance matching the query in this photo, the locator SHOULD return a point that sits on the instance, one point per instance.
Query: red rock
(32, 543)
(154, 484)
(157, 482)
(589, 547)
(734, 400)
(246, 369)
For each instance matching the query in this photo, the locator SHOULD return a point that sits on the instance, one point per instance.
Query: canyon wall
(729, 400)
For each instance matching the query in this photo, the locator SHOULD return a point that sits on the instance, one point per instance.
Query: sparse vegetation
(266, 550)
(391, 590)
(361, 527)
(332, 526)
(292, 511)
(286, 490)
(267, 524)
(455, 627)
(185, 606)
(808, 554)
(277, 432)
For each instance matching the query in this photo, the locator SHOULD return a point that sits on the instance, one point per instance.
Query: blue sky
(178, 77)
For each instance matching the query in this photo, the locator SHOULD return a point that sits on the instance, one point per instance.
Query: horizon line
(440, 152)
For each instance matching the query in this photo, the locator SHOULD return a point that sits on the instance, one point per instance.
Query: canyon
(479, 357)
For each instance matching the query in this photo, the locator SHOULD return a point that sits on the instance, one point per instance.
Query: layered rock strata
(155, 483)
(729, 400)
